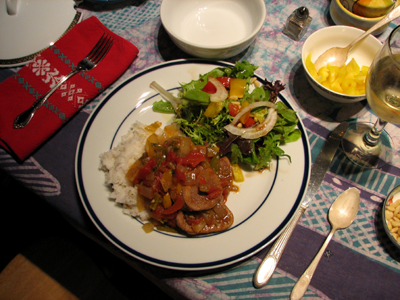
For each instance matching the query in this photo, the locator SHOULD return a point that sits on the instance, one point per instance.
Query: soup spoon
(337, 56)
(341, 214)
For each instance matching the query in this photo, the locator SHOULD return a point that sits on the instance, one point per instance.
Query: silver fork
(88, 63)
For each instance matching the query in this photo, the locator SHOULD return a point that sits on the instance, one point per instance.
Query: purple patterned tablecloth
(363, 264)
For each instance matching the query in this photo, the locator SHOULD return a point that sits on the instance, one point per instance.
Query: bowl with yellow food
(391, 216)
(362, 14)
(344, 84)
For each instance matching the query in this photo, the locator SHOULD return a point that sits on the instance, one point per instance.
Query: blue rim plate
(262, 208)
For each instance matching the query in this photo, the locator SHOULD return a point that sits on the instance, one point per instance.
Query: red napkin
(21, 90)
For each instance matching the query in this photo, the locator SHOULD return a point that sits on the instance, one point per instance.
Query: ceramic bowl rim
(361, 18)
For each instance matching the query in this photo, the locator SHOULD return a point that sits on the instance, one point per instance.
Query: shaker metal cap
(302, 13)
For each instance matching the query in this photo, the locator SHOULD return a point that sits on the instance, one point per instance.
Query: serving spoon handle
(395, 13)
(302, 284)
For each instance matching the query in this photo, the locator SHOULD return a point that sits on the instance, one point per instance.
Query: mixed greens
(208, 116)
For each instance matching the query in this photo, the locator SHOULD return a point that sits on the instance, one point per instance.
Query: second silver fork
(94, 57)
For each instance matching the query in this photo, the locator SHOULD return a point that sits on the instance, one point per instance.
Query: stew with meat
(184, 186)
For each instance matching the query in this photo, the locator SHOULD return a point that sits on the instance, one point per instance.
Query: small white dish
(339, 36)
(29, 26)
(216, 29)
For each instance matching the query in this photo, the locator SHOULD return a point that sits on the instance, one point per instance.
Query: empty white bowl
(215, 29)
(339, 36)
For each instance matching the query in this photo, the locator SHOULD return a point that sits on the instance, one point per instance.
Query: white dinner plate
(264, 205)
(29, 26)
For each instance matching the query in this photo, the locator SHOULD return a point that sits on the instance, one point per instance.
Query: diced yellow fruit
(323, 73)
(364, 70)
(353, 66)
(348, 79)
(333, 73)
(311, 67)
(359, 79)
(237, 173)
(336, 87)
(326, 84)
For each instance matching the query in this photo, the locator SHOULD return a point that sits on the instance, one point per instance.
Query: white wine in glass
(371, 146)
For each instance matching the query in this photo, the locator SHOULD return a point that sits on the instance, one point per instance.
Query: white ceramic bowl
(394, 194)
(341, 14)
(215, 29)
(339, 36)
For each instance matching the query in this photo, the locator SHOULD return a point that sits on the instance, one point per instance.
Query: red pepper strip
(250, 122)
(178, 204)
(192, 159)
(226, 81)
(202, 180)
(210, 88)
(159, 213)
(145, 170)
(214, 193)
(194, 221)
(233, 109)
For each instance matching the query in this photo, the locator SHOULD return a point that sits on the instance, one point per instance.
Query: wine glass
(371, 146)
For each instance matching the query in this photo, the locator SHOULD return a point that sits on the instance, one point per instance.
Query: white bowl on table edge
(235, 24)
(343, 16)
(339, 36)
(393, 193)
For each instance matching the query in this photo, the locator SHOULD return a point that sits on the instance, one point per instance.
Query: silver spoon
(337, 56)
(341, 214)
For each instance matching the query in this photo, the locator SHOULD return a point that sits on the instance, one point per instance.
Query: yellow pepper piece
(237, 173)
(167, 200)
(213, 109)
(237, 87)
(243, 119)
(148, 227)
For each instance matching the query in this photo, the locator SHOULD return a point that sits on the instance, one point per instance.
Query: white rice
(117, 161)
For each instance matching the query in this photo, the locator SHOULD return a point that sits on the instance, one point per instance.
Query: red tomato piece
(145, 170)
(159, 213)
(171, 156)
(250, 122)
(202, 180)
(233, 109)
(193, 159)
(226, 81)
(179, 173)
(210, 88)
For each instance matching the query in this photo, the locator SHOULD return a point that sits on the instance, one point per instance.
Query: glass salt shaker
(297, 23)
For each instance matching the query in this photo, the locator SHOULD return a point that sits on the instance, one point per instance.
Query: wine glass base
(363, 155)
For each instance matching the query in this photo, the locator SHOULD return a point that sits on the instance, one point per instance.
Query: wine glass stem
(372, 137)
